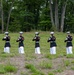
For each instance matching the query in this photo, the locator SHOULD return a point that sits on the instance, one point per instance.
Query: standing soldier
(68, 41)
(7, 43)
(21, 45)
(53, 45)
(37, 46)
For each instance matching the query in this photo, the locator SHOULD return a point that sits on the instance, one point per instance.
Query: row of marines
(51, 39)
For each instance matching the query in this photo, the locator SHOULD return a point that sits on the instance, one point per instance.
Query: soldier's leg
(38, 50)
(21, 50)
(70, 50)
(51, 50)
(7, 50)
(54, 50)
(67, 50)
(35, 50)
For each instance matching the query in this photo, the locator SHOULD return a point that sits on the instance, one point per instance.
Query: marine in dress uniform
(53, 45)
(7, 43)
(69, 45)
(21, 44)
(37, 45)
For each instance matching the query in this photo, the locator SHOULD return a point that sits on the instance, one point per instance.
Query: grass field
(32, 64)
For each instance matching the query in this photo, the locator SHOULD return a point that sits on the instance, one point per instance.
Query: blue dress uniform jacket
(36, 39)
(52, 40)
(7, 43)
(69, 41)
(20, 40)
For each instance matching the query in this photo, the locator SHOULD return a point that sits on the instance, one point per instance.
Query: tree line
(27, 15)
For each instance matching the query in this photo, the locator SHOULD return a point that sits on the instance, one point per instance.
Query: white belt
(7, 41)
(68, 41)
(51, 41)
(37, 42)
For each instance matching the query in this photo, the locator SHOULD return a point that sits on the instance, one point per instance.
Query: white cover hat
(6, 33)
(68, 32)
(51, 32)
(21, 32)
(36, 33)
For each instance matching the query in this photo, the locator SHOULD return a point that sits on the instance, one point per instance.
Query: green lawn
(29, 44)
(44, 64)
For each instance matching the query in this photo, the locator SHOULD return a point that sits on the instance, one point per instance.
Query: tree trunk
(51, 12)
(46, 3)
(2, 16)
(9, 16)
(56, 15)
(63, 15)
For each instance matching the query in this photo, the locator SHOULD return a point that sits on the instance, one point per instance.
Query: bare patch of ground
(66, 72)
(19, 62)
(58, 67)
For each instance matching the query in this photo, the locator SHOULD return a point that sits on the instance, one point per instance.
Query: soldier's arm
(34, 39)
(38, 38)
(22, 39)
(66, 40)
(54, 38)
(49, 39)
(4, 38)
(17, 40)
(9, 37)
(71, 38)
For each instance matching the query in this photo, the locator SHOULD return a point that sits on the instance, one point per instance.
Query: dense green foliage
(69, 20)
(30, 15)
